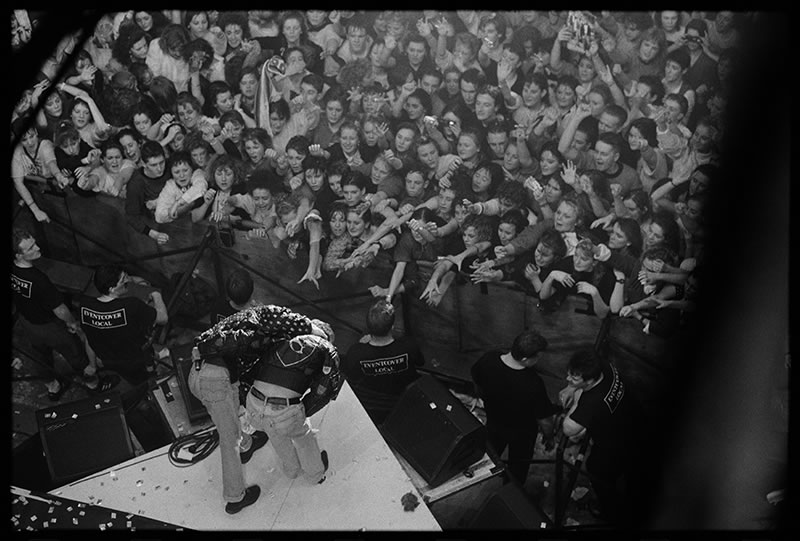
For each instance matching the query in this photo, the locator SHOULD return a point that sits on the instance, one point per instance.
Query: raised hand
(531, 271)
(316, 150)
(569, 173)
(563, 278)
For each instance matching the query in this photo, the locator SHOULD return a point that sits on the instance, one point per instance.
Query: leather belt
(276, 400)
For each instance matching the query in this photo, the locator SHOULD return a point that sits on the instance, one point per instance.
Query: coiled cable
(199, 444)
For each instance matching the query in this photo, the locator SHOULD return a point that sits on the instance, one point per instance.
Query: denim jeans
(291, 436)
(212, 386)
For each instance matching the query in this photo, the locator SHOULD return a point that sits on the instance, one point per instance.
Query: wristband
(621, 281)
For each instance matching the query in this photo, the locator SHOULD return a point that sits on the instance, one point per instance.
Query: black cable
(200, 445)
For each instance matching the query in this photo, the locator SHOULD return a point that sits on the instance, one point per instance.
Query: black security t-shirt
(380, 374)
(117, 329)
(34, 294)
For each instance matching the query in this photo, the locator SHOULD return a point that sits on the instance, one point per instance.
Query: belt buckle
(278, 401)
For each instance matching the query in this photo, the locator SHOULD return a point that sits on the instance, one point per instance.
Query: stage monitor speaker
(195, 409)
(83, 437)
(509, 509)
(434, 432)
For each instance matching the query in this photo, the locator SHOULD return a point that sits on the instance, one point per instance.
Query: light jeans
(211, 385)
(291, 436)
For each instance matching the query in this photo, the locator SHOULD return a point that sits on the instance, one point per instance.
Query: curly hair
(227, 161)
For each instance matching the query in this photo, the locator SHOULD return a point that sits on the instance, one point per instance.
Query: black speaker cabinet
(434, 432)
(195, 409)
(83, 437)
(509, 509)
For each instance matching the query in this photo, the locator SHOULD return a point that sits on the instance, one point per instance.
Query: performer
(276, 403)
(225, 356)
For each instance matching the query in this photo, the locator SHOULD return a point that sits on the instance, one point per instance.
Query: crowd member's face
(449, 118)
(617, 239)
(352, 194)
(198, 25)
(262, 198)
(235, 130)
(549, 163)
(30, 140)
(288, 217)
(403, 140)
(379, 171)
(181, 173)
(375, 54)
(466, 148)
(276, 123)
(605, 156)
(702, 138)
(413, 107)
(648, 50)
(415, 52)
(81, 116)
(481, 180)
(543, 256)
(295, 160)
(463, 53)
(154, 166)
(131, 147)
(348, 138)
(532, 95)
(334, 111)
(178, 141)
(224, 102)
(723, 20)
(566, 217)
(468, 92)
(674, 113)
(451, 82)
(470, 236)
(234, 35)
(506, 232)
(415, 184)
(338, 224)
(485, 107)
(188, 116)
(315, 179)
(296, 61)
(460, 213)
(357, 38)
(428, 154)
(498, 143)
(511, 158)
(224, 178)
(552, 191)
(53, 106)
(633, 138)
(371, 103)
(200, 156)
(430, 83)
(248, 85)
(335, 183)
(370, 132)
(585, 70)
(698, 183)
(139, 49)
(633, 209)
(565, 96)
(355, 224)
(672, 71)
(309, 93)
(669, 20)
(608, 123)
(71, 147)
(316, 16)
(446, 198)
(254, 150)
(28, 250)
(144, 20)
(692, 45)
(582, 262)
(580, 141)
(632, 32)
(596, 103)
(655, 235)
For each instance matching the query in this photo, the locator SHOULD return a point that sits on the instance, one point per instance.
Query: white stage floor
(363, 491)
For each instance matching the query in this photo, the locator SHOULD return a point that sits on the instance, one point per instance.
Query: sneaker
(104, 384)
(260, 439)
(55, 396)
(324, 456)
(251, 494)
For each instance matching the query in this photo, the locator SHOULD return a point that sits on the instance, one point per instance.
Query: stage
(363, 491)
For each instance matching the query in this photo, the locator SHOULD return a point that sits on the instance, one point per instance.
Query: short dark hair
(586, 364)
(315, 163)
(314, 80)
(527, 344)
(514, 217)
(106, 277)
(239, 286)
(380, 318)
(656, 86)
(553, 240)
(613, 139)
(151, 149)
(680, 57)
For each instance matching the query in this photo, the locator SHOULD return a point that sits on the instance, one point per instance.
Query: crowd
(559, 152)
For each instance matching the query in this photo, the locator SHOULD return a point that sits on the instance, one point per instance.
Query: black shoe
(324, 456)
(251, 494)
(104, 384)
(260, 439)
(56, 396)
